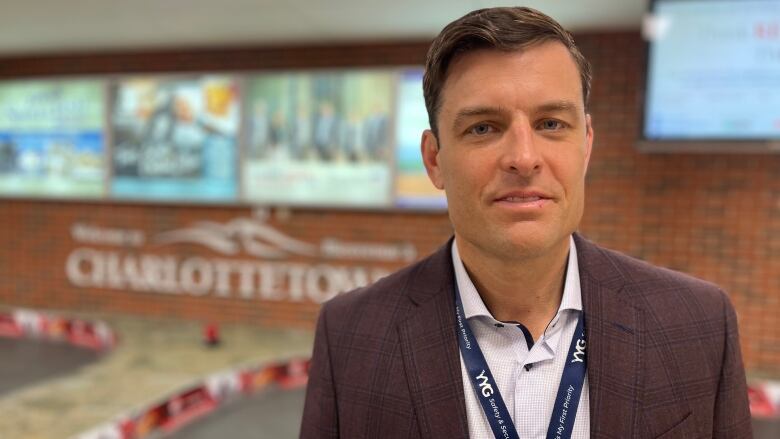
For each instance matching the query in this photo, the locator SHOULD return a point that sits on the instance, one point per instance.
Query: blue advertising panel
(413, 189)
(51, 138)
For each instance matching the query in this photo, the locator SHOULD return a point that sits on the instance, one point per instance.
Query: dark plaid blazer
(663, 355)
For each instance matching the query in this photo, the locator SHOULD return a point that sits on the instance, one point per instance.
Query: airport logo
(252, 236)
(257, 261)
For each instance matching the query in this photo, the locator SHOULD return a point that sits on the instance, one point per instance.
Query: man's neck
(523, 290)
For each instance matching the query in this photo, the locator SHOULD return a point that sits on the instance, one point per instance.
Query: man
(519, 327)
(326, 126)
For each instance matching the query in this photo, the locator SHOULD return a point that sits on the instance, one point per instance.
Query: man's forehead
(549, 47)
(548, 66)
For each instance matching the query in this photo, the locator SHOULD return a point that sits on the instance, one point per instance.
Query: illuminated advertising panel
(51, 138)
(175, 138)
(412, 186)
(320, 139)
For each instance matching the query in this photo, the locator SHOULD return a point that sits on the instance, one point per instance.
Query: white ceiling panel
(50, 26)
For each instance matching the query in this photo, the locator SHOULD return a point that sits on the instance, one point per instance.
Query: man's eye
(480, 129)
(551, 124)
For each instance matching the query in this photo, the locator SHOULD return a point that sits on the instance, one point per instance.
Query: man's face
(512, 150)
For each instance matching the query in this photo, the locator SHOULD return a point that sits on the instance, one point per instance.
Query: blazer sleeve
(320, 414)
(732, 412)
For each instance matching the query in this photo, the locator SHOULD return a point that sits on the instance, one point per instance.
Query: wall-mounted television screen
(713, 75)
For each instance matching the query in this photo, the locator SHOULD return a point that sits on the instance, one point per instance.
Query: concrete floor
(154, 357)
(276, 414)
(53, 391)
(272, 414)
(766, 428)
(25, 362)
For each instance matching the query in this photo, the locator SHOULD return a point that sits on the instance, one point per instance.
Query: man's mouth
(529, 199)
(523, 196)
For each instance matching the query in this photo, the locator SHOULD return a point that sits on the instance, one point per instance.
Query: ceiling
(56, 26)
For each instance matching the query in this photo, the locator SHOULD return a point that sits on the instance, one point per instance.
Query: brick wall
(714, 216)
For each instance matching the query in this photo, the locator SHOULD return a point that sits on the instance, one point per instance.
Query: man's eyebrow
(555, 106)
(465, 113)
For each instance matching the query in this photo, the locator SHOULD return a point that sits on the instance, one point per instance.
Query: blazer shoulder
(687, 339)
(662, 287)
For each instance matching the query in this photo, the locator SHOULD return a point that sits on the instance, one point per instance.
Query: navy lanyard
(486, 388)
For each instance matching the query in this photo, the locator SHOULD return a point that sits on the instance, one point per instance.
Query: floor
(56, 392)
(26, 362)
(273, 414)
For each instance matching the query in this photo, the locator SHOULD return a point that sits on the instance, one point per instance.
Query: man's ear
(588, 141)
(429, 147)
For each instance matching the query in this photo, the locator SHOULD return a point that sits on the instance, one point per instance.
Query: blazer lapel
(614, 329)
(430, 351)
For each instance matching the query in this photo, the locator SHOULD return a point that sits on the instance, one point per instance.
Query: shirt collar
(473, 306)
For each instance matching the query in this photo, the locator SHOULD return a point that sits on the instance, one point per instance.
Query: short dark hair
(506, 29)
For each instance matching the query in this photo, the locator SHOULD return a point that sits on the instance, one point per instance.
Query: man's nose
(520, 154)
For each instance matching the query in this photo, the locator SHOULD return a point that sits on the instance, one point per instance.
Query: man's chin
(534, 244)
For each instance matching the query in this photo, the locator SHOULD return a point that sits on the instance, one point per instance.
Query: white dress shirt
(528, 379)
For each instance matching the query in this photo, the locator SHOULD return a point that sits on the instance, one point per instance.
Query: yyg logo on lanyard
(579, 354)
(486, 388)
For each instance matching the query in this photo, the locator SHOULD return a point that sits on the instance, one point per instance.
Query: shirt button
(499, 325)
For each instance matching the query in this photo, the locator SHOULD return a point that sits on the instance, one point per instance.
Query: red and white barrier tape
(25, 323)
(195, 401)
(764, 399)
